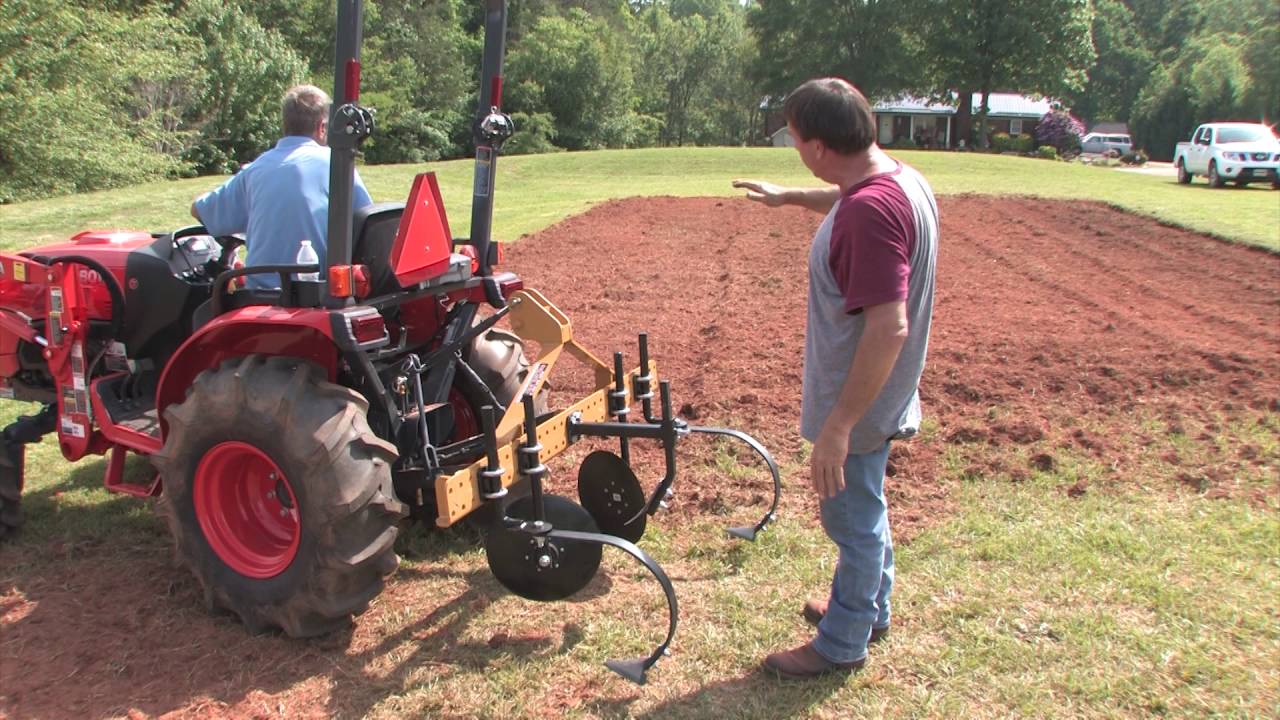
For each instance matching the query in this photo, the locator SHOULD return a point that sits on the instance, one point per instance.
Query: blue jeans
(857, 520)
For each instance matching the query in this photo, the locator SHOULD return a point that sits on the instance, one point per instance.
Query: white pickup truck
(1222, 152)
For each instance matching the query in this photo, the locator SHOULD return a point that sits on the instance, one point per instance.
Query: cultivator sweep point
(548, 547)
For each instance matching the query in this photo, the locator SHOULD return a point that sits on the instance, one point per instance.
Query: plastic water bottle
(307, 256)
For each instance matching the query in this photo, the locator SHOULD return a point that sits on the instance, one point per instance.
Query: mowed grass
(536, 191)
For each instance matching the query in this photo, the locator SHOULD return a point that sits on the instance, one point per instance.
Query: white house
(932, 124)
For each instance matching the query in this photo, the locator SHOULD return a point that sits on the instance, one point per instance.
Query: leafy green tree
(1217, 61)
(1121, 69)
(574, 69)
(418, 76)
(307, 26)
(1029, 46)
(236, 108)
(76, 113)
(683, 68)
(863, 41)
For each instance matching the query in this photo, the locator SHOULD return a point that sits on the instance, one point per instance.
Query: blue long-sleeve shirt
(277, 201)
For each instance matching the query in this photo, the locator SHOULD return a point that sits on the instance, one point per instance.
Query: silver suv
(1103, 144)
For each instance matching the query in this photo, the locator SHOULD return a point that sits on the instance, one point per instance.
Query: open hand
(763, 192)
(826, 464)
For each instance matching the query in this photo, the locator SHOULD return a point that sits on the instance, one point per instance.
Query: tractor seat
(374, 228)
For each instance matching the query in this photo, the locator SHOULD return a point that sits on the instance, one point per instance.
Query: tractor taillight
(368, 328)
(495, 252)
(495, 91)
(349, 281)
(353, 81)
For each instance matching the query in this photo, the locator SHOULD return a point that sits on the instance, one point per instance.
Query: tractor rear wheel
(279, 496)
(498, 358)
(10, 488)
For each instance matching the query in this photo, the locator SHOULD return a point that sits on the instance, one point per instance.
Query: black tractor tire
(1215, 180)
(10, 489)
(498, 358)
(1184, 177)
(281, 411)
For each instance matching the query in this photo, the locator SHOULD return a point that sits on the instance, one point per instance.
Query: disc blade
(557, 569)
(610, 491)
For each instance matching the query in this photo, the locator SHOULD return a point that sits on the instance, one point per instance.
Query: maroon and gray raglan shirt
(879, 244)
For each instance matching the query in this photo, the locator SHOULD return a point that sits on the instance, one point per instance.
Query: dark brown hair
(833, 111)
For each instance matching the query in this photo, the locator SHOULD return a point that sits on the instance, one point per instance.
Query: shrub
(1024, 144)
(409, 135)
(1061, 131)
(1137, 157)
(1047, 152)
(1001, 142)
(905, 143)
(534, 134)
(77, 113)
(236, 105)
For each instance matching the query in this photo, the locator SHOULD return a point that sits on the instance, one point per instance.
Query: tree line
(103, 93)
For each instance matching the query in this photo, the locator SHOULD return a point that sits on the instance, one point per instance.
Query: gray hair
(304, 107)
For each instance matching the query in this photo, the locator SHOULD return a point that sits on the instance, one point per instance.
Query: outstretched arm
(816, 199)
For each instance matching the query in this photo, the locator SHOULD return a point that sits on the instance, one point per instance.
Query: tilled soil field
(1067, 335)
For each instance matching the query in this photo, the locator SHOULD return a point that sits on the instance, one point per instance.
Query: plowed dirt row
(1065, 333)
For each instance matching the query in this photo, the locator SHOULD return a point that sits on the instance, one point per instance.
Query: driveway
(1161, 169)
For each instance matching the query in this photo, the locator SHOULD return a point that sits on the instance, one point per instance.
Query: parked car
(1240, 152)
(1106, 144)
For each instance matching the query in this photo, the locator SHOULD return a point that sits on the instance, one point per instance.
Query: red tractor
(293, 431)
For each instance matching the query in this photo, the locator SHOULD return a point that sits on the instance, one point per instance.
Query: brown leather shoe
(815, 610)
(804, 662)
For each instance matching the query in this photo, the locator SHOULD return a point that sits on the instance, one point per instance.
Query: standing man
(871, 277)
(282, 197)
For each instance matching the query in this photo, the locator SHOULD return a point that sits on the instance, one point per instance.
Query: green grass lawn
(536, 191)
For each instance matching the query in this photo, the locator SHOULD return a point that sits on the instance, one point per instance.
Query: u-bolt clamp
(491, 477)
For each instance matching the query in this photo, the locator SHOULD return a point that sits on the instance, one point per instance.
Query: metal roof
(999, 105)
(1012, 105)
(910, 104)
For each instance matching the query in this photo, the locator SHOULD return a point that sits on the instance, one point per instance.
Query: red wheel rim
(465, 422)
(247, 509)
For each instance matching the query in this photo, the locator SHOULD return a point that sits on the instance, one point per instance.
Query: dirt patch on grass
(1066, 335)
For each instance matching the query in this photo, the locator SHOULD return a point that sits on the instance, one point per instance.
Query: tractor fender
(303, 333)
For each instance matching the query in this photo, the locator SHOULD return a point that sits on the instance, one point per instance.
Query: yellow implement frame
(536, 320)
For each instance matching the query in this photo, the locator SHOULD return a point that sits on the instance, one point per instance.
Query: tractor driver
(282, 197)
(871, 279)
